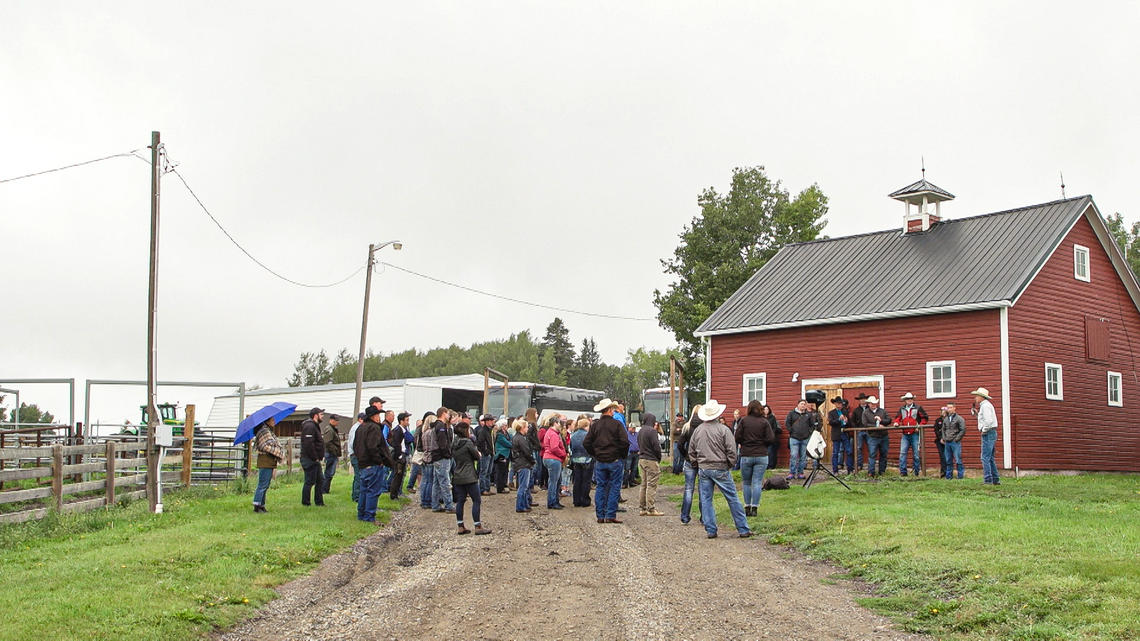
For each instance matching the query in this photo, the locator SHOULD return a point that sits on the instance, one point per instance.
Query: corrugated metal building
(1037, 304)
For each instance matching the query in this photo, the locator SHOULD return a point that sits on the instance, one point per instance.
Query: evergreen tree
(557, 341)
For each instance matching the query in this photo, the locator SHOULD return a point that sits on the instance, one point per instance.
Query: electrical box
(164, 435)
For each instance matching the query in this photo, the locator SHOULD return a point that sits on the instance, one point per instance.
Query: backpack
(776, 483)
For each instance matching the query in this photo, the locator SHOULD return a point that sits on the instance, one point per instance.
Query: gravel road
(561, 575)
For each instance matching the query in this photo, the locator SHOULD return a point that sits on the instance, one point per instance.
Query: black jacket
(396, 442)
(369, 446)
(868, 420)
(522, 455)
(800, 426)
(835, 420)
(484, 440)
(607, 440)
(754, 435)
(312, 445)
(649, 443)
(443, 437)
(465, 456)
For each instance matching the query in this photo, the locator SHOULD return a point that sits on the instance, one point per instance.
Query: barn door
(848, 390)
(825, 429)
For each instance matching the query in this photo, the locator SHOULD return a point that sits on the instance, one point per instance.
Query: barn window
(1054, 389)
(940, 379)
(1115, 395)
(755, 388)
(1081, 262)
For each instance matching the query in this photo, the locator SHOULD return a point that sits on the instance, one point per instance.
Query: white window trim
(930, 365)
(1119, 389)
(744, 392)
(1077, 251)
(1060, 395)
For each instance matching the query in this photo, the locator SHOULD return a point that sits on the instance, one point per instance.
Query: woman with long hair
(582, 464)
(502, 455)
(553, 456)
(753, 436)
(774, 446)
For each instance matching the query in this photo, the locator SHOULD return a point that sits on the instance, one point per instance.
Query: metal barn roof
(968, 263)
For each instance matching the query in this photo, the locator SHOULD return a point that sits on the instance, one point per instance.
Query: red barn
(1037, 304)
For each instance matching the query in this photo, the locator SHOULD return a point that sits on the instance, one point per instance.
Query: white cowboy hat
(907, 396)
(873, 399)
(605, 404)
(711, 410)
(981, 391)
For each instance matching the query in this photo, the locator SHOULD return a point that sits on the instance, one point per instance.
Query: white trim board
(1006, 430)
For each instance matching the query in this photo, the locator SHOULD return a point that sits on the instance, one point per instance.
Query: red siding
(1047, 325)
(896, 349)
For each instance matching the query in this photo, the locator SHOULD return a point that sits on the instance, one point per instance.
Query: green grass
(208, 561)
(1048, 557)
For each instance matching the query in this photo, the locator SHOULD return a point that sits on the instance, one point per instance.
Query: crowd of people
(449, 463)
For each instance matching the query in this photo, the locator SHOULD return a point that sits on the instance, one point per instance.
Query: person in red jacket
(910, 415)
(553, 457)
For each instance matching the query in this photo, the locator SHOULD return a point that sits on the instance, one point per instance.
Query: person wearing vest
(331, 436)
(910, 415)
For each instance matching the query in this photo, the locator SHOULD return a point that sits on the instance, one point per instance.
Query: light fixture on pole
(372, 249)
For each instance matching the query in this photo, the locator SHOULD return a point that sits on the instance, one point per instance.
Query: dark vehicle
(547, 399)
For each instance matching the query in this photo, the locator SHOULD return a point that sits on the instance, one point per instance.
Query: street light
(372, 249)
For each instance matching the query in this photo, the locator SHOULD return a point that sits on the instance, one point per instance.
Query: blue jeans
(841, 451)
(687, 497)
(485, 463)
(989, 467)
(522, 497)
(355, 480)
(797, 455)
(441, 477)
(721, 479)
(608, 476)
(385, 476)
(413, 475)
(330, 470)
(877, 446)
(553, 480)
(678, 462)
(264, 477)
(427, 484)
(752, 478)
(909, 444)
(369, 493)
(953, 454)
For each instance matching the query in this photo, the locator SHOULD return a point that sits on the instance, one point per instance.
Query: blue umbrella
(275, 411)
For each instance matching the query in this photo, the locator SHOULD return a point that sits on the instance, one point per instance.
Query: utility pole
(154, 465)
(372, 249)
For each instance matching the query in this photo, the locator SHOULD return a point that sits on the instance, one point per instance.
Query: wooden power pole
(154, 465)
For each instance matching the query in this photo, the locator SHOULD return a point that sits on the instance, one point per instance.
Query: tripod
(816, 467)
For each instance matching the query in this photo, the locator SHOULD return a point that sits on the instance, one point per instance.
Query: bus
(547, 399)
(656, 402)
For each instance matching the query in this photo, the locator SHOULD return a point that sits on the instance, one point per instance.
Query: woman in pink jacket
(553, 456)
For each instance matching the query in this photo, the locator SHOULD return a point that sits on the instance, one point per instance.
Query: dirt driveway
(561, 575)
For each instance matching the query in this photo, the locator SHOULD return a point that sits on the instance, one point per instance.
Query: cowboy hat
(605, 404)
(907, 396)
(861, 397)
(981, 391)
(711, 410)
(873, 399)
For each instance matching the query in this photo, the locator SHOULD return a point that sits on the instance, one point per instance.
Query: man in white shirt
(987, 425)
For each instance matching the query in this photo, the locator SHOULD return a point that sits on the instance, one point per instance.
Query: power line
(515, 300)
(174, 171)
(71, 166)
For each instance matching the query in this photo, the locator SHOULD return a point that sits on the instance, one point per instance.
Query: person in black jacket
(608, 443)
(312, 455)
(753, 436)
(485, 443)
(522, 459)
(371, 452)
(840, 419)
(397, 443)
(442, 499)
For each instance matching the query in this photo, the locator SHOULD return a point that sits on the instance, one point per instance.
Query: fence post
(57, 476)
(289, 457)
(188, 446)
(2, 460)
(78, 458)
(110, 481)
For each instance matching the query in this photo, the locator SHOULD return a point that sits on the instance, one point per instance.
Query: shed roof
(969, 263)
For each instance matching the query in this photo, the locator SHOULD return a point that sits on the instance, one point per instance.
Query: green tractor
(169, 414)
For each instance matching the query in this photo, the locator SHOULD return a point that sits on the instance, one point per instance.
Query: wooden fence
(73, 478)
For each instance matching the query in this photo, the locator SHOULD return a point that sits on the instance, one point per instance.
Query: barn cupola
(923, 204)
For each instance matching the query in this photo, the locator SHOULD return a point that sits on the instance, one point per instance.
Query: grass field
(1047, 557)
(208, 561)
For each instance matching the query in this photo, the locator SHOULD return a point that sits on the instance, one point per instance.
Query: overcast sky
(546, 151)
